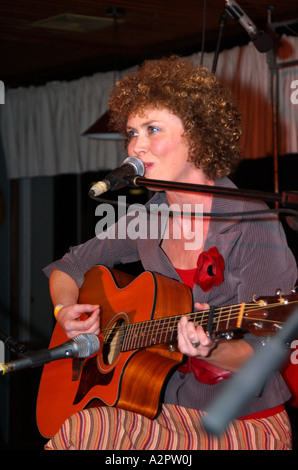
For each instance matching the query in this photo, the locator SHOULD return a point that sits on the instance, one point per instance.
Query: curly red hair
(210, 118)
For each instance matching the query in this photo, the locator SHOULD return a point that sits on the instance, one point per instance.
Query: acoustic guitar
(138, 341)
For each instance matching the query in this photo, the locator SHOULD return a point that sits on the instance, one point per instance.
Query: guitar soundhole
(112, 343)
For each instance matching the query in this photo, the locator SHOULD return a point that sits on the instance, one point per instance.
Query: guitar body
(133, 379)
(137, 355)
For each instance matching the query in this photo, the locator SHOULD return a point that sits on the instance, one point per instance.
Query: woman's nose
(138, 145)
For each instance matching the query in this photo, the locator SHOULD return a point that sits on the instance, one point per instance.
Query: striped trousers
(176, 428)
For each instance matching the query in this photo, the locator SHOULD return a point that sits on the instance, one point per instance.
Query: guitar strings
(163, 323)
(202, 313)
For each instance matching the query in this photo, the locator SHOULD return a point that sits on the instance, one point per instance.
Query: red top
(187, 276)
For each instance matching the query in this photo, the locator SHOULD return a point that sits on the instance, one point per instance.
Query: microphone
(262, 41)
(80, 346)
(131, 166)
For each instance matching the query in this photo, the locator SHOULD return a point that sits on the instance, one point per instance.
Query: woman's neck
(192, 198)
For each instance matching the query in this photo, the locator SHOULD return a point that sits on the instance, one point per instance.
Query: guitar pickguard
(91, 377)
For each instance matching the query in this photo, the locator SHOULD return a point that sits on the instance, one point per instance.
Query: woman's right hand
(69, 319)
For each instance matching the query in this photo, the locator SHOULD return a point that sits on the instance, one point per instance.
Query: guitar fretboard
(164, 330)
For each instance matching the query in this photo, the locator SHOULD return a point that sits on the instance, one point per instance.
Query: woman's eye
(153, 129)
(131, 133)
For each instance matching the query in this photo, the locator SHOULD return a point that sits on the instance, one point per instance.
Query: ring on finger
(195, 343)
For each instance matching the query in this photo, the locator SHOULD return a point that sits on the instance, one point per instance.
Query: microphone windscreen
(263, 42)
(88, 344)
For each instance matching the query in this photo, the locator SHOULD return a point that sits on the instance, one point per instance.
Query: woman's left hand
(192, 339)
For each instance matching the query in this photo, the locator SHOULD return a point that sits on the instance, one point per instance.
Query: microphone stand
(285, 198)
(223, 20)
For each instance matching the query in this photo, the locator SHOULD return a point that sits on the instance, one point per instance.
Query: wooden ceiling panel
(33, 54)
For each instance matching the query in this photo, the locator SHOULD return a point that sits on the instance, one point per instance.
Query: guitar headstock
(266, 315)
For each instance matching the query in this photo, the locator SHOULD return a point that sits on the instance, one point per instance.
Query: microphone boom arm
(285, 198)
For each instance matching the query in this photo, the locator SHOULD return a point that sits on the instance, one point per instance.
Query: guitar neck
(164, 330)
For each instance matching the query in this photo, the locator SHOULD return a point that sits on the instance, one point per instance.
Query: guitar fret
(173, 331)
(132, 336)
(135, 337)
(228, 321)
(143, 336)
(146, 335)
(126, 338)
(161, 331)
(169, 331)
(218, 320)
(151, 338)
(157, 336)
(140, 337)
(203, 322)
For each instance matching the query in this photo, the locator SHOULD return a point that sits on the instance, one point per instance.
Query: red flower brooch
(210, 268)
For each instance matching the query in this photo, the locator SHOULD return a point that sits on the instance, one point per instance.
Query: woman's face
(157, 138)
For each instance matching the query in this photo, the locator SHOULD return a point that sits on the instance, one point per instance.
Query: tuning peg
(260, 302)
(281, 298)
